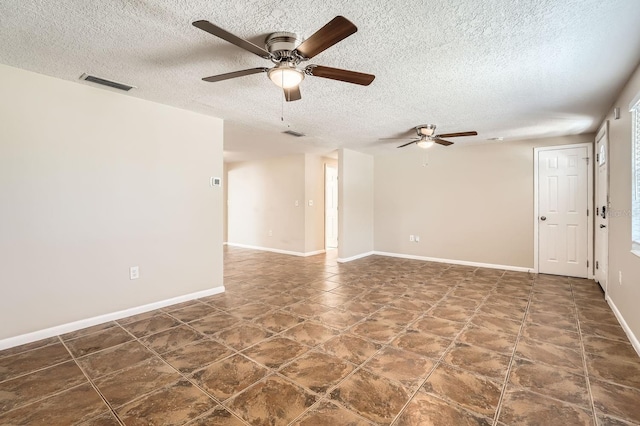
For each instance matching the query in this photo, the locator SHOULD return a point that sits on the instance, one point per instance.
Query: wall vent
(103, 82)
(294, 133)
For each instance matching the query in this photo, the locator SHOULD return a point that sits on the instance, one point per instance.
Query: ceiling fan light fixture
(285, 76)
(427, 138)
(425, 143)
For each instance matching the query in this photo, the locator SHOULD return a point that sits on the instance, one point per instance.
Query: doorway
(563, 225)
(331, 206)
(602, 207)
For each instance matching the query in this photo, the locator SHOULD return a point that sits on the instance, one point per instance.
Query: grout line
(206, 413)
(45, 397)
(360, 366)
(513, 356)
(35, 371)
(271, 371)
(446, 351)
(332, 402)
(93, 385)
(184, 376)
(3, 354)
(521, 325)
(584, 358)
(155, 355)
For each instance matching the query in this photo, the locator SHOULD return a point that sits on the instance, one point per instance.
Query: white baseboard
(455, 262)
(356, 257)
(632, 337)
(273, 250)
(88, 322)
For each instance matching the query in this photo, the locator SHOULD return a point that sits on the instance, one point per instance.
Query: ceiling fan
(427, 138)
(283, 50)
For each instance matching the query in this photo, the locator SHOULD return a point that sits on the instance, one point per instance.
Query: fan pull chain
(282, 100)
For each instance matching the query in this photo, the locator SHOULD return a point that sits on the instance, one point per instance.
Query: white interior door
(602, 207)
(331, 206)
(563, 234)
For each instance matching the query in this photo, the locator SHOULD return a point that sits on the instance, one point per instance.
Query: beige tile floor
(307, 341)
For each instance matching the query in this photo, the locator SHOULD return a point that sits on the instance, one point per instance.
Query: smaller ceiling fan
(427, 138)
(284, 50)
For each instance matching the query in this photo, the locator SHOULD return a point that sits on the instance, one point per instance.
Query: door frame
(590, 195)
(603, 132)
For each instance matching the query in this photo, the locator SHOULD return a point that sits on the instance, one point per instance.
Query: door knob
(603, 226)
(543, 218)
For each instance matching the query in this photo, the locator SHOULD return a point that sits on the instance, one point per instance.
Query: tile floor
(307, 341)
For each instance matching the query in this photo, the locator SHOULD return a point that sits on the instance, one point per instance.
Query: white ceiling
(511, 68)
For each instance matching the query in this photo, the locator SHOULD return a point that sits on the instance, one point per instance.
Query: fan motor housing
(281, 44)
(426, 129)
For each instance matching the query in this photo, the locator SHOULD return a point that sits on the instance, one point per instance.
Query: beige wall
(355, 204)
(314, 215)
(471, 203)
(625, 296)
(262, 196)
(91, 183)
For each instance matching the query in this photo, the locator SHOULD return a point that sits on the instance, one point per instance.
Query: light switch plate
(134, 273)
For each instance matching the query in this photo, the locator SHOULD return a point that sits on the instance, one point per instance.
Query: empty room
(319, 213)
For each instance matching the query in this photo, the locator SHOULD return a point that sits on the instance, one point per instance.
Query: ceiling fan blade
(402, 136)
(292, 94)
(455, 135)
(231, 38)
(336, 30)
(234, 74)
(409, 143)
(442, 141)
(340, 75)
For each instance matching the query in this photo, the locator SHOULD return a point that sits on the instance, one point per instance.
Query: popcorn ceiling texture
(518, 69)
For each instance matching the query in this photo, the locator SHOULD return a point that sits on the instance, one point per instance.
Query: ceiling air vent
(104, 82)
(293, 133)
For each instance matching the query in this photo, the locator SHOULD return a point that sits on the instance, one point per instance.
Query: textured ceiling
(511, 68)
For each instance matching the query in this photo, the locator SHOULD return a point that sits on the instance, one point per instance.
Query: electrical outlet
(270, 233)
(134, 273)
(417, 238)
(412, 238)
(297, 203)
(620, 277)
(310, 203)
